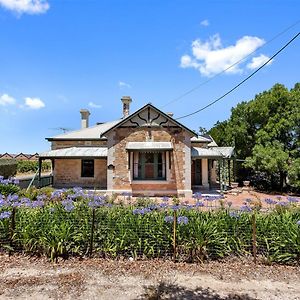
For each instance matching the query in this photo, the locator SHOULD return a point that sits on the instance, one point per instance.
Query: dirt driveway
(36, 278)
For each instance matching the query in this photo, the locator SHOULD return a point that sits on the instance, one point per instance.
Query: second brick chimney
(84, 118)
(126, 100)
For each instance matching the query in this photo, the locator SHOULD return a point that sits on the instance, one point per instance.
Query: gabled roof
(89, 133)
(143, 108)
(6, 154)
(23, 154)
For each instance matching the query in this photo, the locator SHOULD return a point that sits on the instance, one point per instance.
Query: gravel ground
(37, 278)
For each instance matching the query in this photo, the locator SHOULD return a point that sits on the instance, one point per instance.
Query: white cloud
(258, 61)
(34, 103)
(204, 23)
(124, 84)
(94, 105)
(32, 7)
(7, 100)
(211, 57)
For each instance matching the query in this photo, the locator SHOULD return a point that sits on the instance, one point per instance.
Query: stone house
(147, 152)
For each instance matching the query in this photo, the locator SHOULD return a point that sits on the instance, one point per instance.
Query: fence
(156, 231)
(45, 180)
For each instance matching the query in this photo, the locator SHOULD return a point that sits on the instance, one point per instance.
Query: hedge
(8, 167)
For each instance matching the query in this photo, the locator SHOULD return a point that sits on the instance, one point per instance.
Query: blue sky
(59, 56)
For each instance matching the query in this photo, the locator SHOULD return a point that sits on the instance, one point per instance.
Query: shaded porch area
(211, 169)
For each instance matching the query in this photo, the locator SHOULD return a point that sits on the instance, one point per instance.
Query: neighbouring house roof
(122, 121)
(212, 144)
(214, 152)
(149, 146)
(89, 133)
(75, 152)
(7, 154)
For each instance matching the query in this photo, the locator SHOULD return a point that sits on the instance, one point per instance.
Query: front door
(197, 172)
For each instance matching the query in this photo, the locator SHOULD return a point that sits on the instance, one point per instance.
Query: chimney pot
(126, 100)
(84, 118)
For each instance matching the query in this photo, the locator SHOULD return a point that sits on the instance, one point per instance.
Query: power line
(239, 84)
(231, 66)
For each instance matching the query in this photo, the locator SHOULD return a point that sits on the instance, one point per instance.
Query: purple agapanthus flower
(197, 195)
(94, 203)
(37, 203)
(165, 198)
(25, 202)
(5, 215)
(163, 205)
(270, 201)
(68, 205)
(283, 203)
(199, 204)
(56, 194)
(245, 208)
(41, 197)
(141, 211)
(293, 199)
(169, 219)
(234, 214)
(182, 220)
(175, 207)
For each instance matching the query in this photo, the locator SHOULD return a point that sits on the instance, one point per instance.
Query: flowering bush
(66, 222)
(8, 186)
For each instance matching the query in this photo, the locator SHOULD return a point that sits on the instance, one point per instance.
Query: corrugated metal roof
(214, 152)
(93, 132)
(200, 139)
(149, 146)
(76, 152)
(226, 151)
(205, 153)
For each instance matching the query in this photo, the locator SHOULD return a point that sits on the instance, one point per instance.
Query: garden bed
(66, 223)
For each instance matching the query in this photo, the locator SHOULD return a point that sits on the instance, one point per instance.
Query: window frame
(138, 169)
(83, 174)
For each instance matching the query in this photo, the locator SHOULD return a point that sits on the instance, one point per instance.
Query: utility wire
(231, 66)
(239, 84)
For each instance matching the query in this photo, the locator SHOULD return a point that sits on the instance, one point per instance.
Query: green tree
(266, 132)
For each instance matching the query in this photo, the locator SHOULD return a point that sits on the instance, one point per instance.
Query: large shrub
(8, 167)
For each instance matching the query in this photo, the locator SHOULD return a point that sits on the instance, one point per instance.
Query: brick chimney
(84, 118)
(126, 100)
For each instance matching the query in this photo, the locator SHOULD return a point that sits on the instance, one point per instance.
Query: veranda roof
(74, 152)
(213, 152)
(149, 146)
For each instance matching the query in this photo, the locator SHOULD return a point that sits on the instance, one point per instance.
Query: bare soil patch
(36, 278)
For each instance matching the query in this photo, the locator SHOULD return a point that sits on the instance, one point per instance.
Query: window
(149, 165)
(87, 168)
